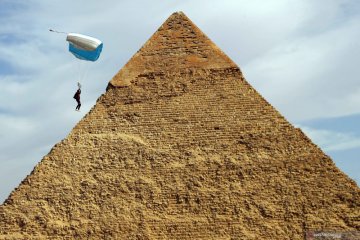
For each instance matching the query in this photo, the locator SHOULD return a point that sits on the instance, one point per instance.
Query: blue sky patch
(9, 7)
(5, 68)
(349, 162)
(11, 39)
(348, 124)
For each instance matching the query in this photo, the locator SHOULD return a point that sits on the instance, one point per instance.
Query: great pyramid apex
(186, 150)
(177, 44)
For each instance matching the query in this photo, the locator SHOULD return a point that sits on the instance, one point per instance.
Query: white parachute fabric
(82, 41)
(84, 47)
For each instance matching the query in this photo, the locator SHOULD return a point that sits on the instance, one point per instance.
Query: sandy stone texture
(180, 146)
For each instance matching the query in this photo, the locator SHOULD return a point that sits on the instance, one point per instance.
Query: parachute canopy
(84, 47)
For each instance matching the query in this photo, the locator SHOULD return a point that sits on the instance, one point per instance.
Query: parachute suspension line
(83, 69)
(80, 66)
(51, 30)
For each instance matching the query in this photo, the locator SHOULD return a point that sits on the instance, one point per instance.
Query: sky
(301, 55)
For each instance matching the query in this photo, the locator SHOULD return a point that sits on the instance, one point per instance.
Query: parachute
(84, 47)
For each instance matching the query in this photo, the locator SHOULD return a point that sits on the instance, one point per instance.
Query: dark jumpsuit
(77, 98)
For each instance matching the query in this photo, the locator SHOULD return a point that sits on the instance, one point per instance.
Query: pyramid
(180, 146)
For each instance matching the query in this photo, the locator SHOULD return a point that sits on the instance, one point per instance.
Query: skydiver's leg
(79, 105)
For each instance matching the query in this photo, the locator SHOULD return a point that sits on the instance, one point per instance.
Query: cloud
(313, 74)
(331, 141)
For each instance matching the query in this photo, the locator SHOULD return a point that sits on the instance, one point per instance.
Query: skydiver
(77, 97)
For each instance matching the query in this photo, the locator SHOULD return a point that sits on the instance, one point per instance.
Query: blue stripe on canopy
(86, 54)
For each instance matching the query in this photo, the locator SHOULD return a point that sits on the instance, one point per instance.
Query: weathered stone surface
(181, 147)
